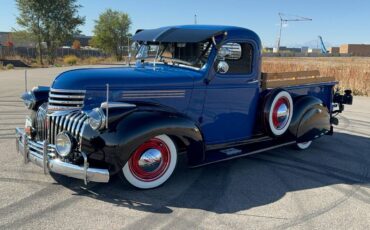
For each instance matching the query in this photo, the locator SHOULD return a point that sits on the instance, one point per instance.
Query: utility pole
(284, 19)
(195, 19)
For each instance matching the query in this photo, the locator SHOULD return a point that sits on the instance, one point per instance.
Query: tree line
(50, 23)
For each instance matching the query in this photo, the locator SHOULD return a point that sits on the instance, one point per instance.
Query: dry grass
(70, 60)
(351, 72)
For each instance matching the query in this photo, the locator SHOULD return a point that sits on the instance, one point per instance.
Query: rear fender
(311, 119)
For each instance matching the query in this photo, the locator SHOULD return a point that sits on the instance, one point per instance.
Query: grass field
(351, 72)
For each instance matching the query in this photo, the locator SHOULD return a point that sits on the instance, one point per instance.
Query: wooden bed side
(274, 80)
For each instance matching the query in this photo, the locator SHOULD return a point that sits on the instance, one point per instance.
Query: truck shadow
(247, 182)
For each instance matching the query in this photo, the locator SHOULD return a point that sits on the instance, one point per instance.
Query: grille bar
(60, 102)
(62, 99)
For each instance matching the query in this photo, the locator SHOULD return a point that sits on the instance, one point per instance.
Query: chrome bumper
(41, 154)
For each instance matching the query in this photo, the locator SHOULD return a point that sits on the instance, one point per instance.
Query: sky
(338, 22)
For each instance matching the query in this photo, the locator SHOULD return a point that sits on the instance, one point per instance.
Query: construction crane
(284, 19)
(323, 48)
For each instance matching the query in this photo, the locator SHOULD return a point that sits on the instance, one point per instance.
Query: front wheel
(152, 163)
(304, 145)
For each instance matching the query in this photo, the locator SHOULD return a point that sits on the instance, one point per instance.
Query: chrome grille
(72, 123)
(48, 125)
(40, 122)
(62, 99)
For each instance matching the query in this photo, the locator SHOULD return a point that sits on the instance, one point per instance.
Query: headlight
(63, 144)
(96, 118)
(29, 100)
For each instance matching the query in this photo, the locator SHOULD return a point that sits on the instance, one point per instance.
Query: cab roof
(192, 33)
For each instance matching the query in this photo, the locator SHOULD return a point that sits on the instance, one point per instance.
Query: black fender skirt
(311, 119)
(115, 145)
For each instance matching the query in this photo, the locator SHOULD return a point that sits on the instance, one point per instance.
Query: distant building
(84, 40)
(268, 49)
(285, 49)
(6, 39)
(355, 49)
(304, 49)
(314, 51)
(334, 50)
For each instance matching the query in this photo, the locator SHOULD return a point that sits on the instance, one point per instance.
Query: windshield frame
(158, 58)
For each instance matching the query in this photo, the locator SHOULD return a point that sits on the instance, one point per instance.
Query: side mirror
(222, 67)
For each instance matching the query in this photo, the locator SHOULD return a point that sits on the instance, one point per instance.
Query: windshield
(193, 55)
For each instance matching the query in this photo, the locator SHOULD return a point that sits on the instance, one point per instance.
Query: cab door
(231, 100)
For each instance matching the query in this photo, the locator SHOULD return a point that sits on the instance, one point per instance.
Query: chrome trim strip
(117, 105)
(67, 91)
(66, 96)
(63, 113)
(143, 94)
(152, 96)
(65, 102)
(55, 108)
(154, 91)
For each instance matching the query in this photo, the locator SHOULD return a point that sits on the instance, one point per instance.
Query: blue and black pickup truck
(194, 90)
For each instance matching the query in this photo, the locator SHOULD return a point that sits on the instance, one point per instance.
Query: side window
(240, 58)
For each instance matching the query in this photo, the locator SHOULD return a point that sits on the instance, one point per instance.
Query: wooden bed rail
(274, 80)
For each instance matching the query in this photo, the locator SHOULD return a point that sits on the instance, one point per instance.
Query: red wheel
(152, 163)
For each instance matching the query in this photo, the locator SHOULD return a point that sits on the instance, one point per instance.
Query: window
(193, 55)
(240, 57)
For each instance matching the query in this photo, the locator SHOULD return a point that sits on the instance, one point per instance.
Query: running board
(215, 156)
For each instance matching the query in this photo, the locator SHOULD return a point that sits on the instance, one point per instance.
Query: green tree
(111, 32)
(49, 21)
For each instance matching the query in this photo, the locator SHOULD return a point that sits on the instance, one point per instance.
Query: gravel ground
(324, 187)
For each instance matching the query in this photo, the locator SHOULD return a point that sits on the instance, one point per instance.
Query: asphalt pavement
(324, 187)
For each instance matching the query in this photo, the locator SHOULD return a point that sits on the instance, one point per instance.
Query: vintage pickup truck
(194, 90)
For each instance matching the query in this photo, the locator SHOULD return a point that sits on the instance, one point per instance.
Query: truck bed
(285, 79)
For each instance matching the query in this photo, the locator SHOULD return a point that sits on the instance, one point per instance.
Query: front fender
(118, 142)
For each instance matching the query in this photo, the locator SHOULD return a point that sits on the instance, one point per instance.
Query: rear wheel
(304, 145)
(278, 112)
(152, 163)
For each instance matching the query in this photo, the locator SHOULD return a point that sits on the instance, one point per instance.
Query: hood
(127, 78)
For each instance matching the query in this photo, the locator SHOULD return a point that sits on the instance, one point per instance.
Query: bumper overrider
(41, 154)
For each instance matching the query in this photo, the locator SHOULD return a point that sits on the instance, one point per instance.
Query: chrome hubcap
(150, 160)
(282, 115)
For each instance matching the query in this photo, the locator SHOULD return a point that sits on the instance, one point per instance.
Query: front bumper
(41, 154)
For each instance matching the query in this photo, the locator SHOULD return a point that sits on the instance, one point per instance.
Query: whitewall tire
(304, 145)
(152, 163)
(280, 113)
